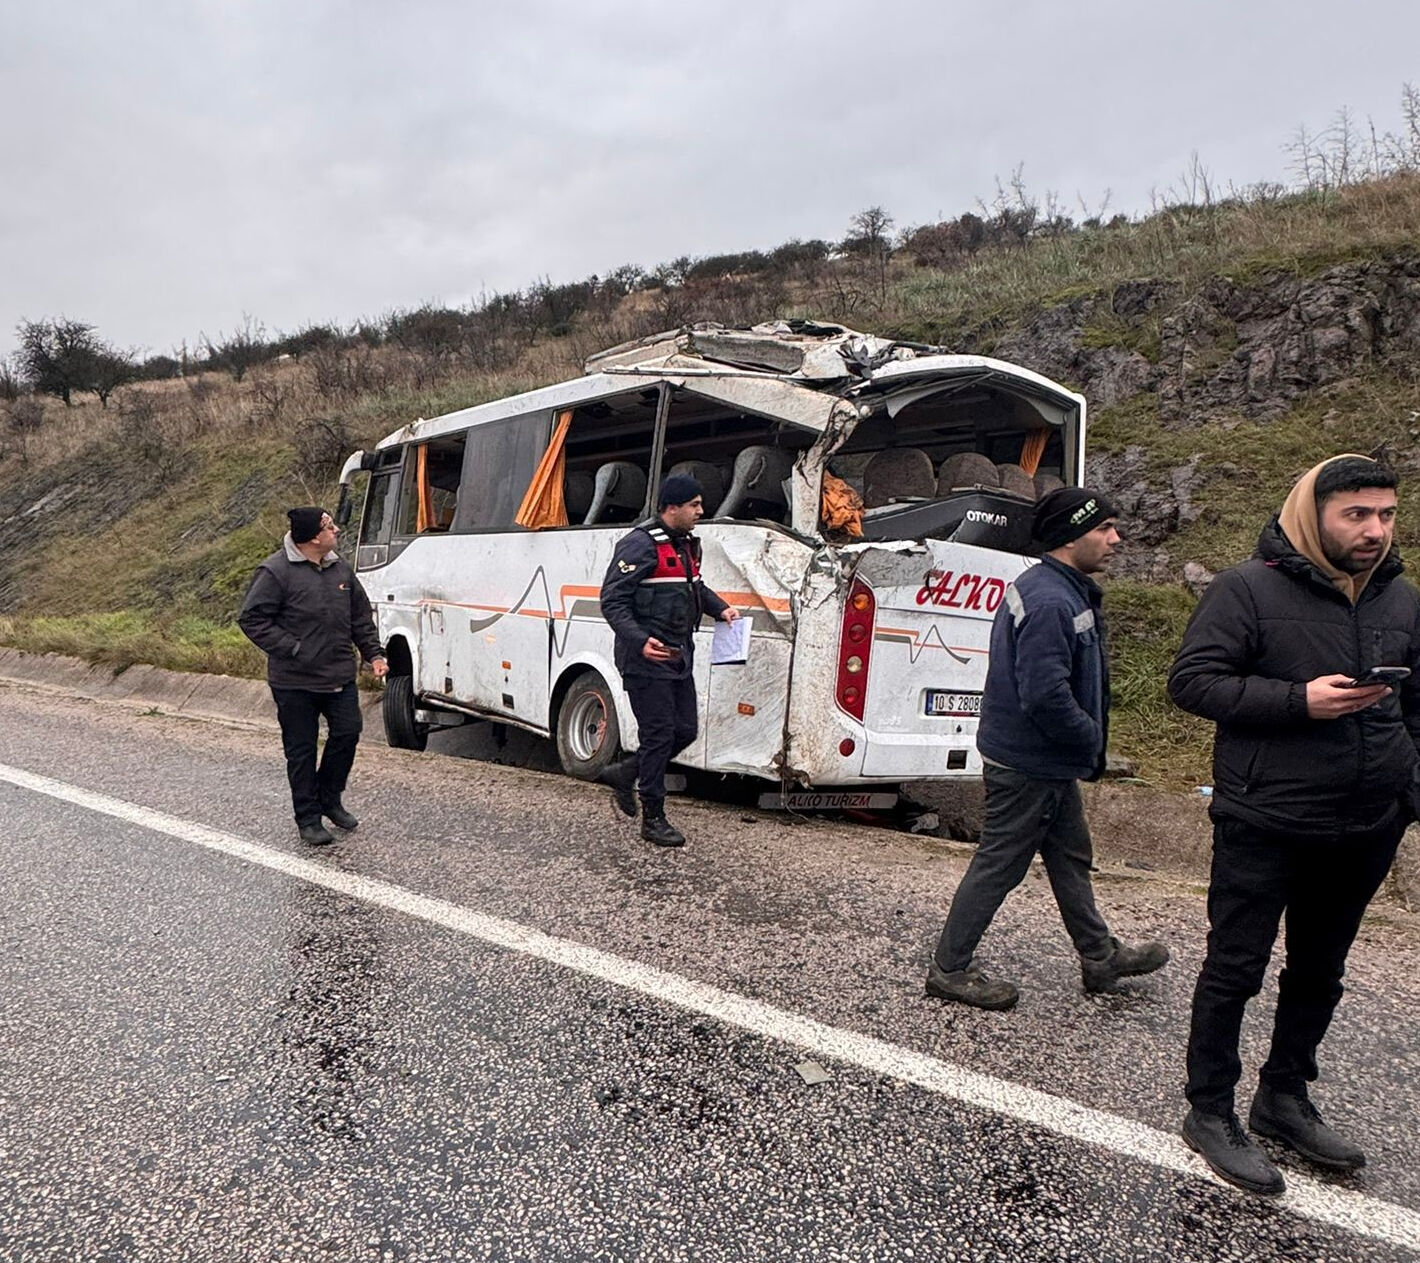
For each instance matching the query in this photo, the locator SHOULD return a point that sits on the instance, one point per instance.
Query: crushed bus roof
(797, 369)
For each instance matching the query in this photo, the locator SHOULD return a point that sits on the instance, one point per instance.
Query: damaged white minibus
(867, 504)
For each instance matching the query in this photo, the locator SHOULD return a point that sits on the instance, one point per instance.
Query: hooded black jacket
(1260, 633)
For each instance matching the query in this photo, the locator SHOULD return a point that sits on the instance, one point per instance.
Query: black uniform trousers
(667, 721)
(299, 710)
(1322, 886)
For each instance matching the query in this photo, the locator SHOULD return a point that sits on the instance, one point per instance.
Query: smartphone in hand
(1377, 675)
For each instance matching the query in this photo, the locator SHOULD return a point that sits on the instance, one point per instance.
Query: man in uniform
(654, 600)
(1313, 785)
(1044, 724)
(305, 609)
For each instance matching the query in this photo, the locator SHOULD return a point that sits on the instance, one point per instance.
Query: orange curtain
(1033, 449)
(426, 492)
(545, 503)
(841, 507)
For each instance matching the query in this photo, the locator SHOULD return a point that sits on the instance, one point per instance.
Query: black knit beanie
(679, 489)
(1067, 513)
(305, 523)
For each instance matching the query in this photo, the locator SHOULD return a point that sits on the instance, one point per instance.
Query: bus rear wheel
(402, 729)
(588, 735)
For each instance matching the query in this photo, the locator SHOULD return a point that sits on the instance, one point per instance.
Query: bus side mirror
(343, 508)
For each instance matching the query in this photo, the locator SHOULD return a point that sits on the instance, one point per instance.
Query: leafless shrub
(239, 350)
(270, 394)
(202, 396)
(23, 418)
(322, 445)
(337, 374)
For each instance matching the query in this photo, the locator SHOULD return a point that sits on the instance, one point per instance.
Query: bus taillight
(855, 647)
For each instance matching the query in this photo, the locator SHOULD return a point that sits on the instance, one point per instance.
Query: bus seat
(1015, 480)
(898, 471)
(619, 493)
(1045, 484)
(711, 480)
(757, 488)
(966, 469)
(577, 492)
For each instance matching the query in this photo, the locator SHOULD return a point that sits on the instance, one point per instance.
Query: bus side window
(608, 454)
(377, 522)
(498, 463)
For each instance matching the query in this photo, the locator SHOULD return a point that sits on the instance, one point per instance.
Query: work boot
(1123, 962)
(656, 829)
(621, 778)
(1291, 1118)
(971, 986)
(316, 834)
(1221, 1142)
(339, 817)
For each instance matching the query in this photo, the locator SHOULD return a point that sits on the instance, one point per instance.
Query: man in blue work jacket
(654, 600)
(1044, 725)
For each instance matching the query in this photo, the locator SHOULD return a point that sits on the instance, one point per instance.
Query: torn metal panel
(773, 397)
(739, 346)
(800, 349)
(767, 566)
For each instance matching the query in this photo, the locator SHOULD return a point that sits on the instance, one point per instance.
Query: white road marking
(1326, 1203)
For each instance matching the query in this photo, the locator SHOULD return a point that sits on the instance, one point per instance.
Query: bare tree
(240, 350)
(112, 369)
(57, 357)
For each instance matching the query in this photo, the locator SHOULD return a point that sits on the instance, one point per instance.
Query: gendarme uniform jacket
(1262, 630)
(1045, 711)
(653, 588)
(305, 617)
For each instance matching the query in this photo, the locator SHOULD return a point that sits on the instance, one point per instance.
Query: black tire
(588, 734)
(402, 730)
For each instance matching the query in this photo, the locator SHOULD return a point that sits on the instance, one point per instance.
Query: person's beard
(1346, 559)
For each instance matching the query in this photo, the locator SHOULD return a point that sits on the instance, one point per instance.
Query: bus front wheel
(588, 735)
(402, 729)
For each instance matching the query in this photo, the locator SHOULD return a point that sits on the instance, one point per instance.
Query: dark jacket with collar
(653, 588)
(1260, 633)
(305, 617)
(1046, 707)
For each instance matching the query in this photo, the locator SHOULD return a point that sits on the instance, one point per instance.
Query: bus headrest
(898, 471)
(619, 493)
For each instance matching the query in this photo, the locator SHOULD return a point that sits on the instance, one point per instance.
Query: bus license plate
(953, 705)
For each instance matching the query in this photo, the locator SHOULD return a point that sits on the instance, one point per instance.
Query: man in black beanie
(654, 600)
(304, 609)
(1044, 725)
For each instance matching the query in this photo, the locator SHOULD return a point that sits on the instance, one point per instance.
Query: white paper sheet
(730, 643)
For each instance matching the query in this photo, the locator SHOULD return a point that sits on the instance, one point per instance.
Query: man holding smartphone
(1314, 768)
(654, 600)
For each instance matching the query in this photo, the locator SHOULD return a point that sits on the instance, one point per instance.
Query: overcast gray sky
(168, 167)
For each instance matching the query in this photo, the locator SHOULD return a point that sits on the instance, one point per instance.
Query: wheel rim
(586, 726)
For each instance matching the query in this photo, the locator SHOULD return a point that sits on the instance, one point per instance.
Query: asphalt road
(493, 1024)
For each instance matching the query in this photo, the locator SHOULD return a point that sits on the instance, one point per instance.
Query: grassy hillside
(128, 533)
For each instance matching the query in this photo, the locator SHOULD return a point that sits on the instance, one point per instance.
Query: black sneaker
(661, 832)
(1221, 1142)
(316, 834)
(971, 986)
(1295, 1121)
(339, 817)
(621, 779)
(1124, 962)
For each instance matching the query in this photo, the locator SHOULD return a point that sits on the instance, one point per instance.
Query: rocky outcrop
(1236, 347)
(1254, 349)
